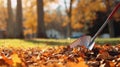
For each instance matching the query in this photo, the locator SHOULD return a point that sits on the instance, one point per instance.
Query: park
(59, 33)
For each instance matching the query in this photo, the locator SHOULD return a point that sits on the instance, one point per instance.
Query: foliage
(62, 56)
(83, 15)
(3, 15)
(30, 22)
(85, 12)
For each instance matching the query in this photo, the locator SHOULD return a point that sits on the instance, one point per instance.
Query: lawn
(14, 53)
(50, 42)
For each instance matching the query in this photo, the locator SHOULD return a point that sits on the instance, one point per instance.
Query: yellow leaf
(16, 60)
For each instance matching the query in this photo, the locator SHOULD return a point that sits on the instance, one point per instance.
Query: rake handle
(115, 9)
(101, 28)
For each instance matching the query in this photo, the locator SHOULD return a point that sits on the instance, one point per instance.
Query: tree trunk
(40, 19)
(69, 14)
(110, 24)
(10, 23)
(19, 21)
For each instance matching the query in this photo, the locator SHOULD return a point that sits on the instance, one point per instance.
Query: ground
(47, 53)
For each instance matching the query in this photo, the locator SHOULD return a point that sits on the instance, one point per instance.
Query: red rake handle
(115, 9)
(101, 28)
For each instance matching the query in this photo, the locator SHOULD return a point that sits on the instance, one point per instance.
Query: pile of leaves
(62, 56)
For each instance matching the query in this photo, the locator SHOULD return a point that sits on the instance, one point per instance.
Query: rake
(87, 41)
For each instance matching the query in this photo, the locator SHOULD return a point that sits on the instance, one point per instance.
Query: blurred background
(57, 18)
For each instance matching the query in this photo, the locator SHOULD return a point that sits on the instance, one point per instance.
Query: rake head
(83, 41)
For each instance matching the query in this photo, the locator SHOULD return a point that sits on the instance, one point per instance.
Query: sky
(61, 4)
(53, 5)
(13, 3)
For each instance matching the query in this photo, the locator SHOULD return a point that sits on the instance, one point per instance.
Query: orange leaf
(7, 60)
(112, 64)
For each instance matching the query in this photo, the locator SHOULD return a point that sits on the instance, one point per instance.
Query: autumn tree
(69, 14)
(101, 17)
(40, 19)
(109, 5)
(30, 18)
(10, 23)
(85, 14)
(3, 15)
(19, 20)
(55, 20)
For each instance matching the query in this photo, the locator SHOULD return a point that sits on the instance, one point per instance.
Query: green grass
(44, 43)
(20, 43)
(113, 41)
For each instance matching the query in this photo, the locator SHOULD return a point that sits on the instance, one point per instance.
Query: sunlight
(14, 3)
